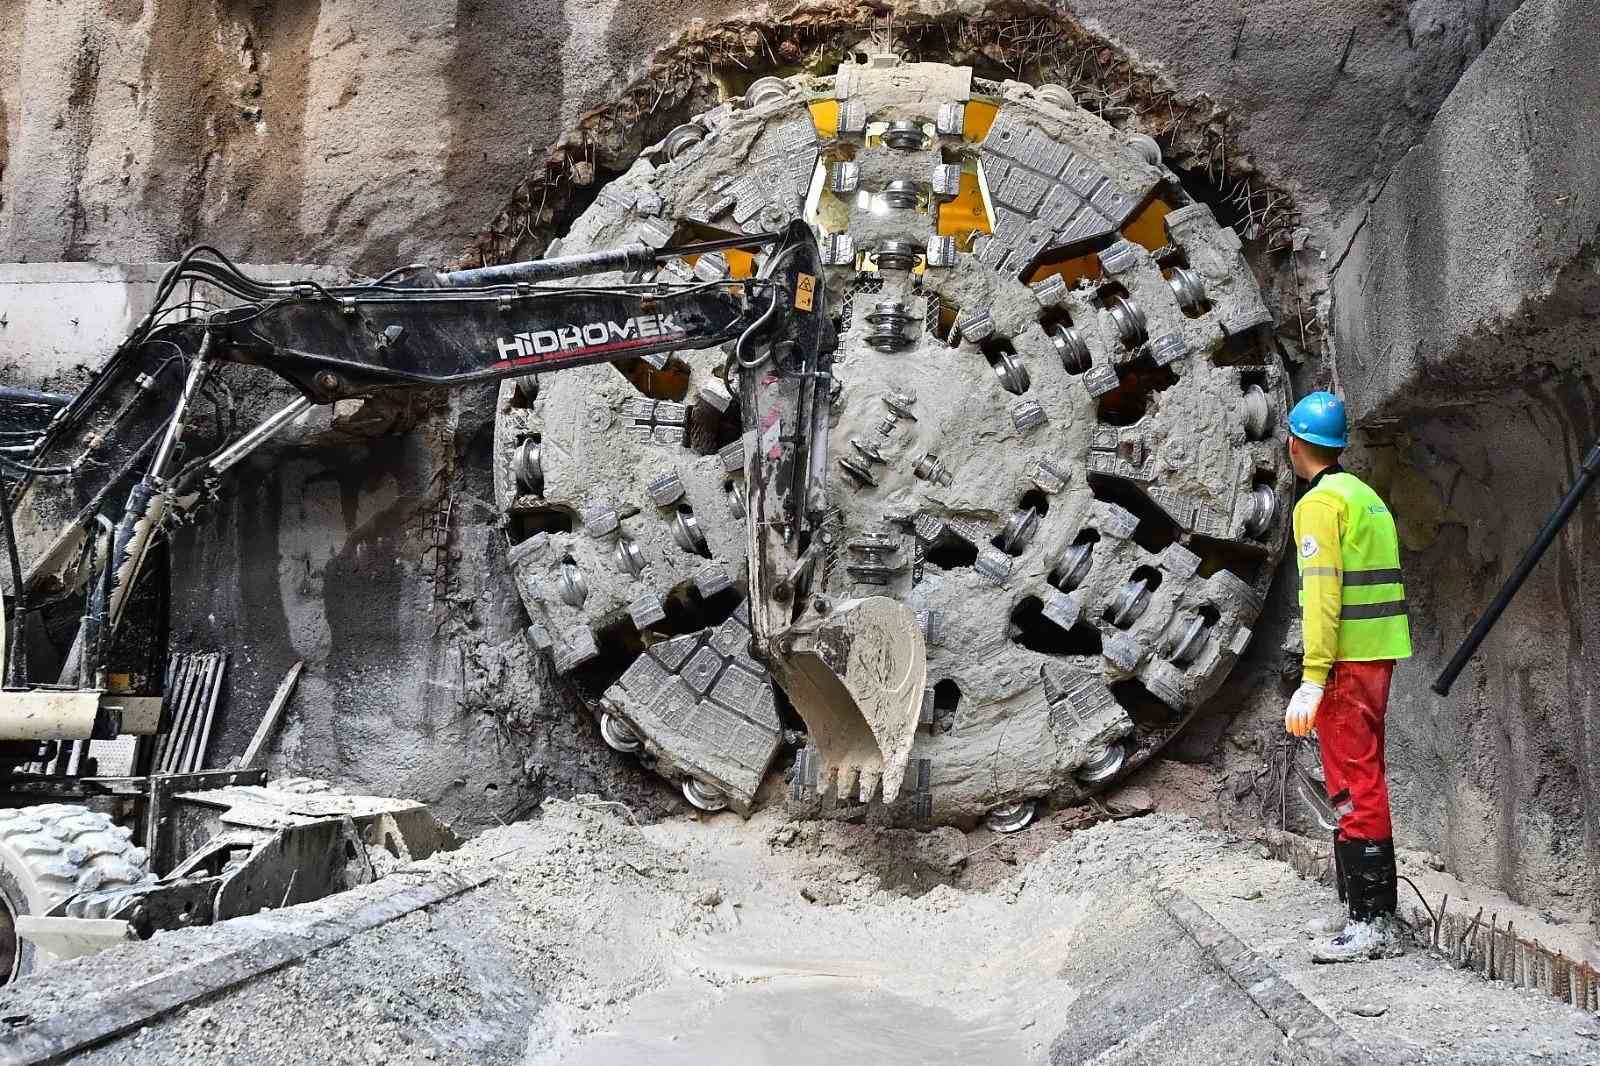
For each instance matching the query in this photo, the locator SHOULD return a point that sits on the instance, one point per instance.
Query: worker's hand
(1302, 712)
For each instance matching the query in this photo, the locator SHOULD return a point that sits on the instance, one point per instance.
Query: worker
(1353, 608)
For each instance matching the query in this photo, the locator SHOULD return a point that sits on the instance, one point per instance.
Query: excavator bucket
(854, 668)
(856, 677)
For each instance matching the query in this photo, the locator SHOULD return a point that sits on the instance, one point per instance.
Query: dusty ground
(720, 941)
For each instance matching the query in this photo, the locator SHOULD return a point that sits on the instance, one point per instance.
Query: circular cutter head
(1056, 438)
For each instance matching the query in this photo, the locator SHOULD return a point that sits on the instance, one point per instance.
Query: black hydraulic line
(37, 471)
(1552, 527)
(108, 374)
(47, 399)
(628, 257)
(90, 511)
(749, 240)
(95, 606)
(218, 271)
(16, 662)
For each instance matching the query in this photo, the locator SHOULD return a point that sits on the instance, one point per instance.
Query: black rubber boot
(1369, 881)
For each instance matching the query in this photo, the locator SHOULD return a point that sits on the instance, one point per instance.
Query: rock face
(330, 131)
(1464, 312)
(375, 134)
(1484, 235)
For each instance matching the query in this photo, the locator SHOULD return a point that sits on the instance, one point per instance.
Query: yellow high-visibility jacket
(1351, 596)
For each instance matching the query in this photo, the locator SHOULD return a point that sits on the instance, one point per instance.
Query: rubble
(695, 941)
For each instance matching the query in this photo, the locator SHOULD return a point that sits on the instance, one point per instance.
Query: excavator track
(1056, 436)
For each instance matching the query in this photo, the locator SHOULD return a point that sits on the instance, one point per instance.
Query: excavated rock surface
(333, 132)
(722, 942)
(377, 134)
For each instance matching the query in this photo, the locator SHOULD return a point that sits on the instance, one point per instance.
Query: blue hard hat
(1319, 418)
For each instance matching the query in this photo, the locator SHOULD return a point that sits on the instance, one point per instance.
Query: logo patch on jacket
(1308, 546)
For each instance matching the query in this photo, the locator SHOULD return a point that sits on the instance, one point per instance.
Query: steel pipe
(1530, 559)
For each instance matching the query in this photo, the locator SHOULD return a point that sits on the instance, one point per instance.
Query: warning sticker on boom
(805, 292)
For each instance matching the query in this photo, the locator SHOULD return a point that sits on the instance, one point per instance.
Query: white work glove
(1302, 712)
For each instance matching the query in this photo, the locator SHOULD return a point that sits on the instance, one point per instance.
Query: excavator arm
(110, 476)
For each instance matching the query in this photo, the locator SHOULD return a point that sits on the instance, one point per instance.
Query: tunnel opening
(689, 612)
(549, 518)
(1076, 263)
(710, 430)
(1155, 530)
(668, 382)
(526, 391)
(1032, 630)
(946, 702)
(944, 320)
(950, 552)
(1137, 384)
(1243, 349)
(1243, 561)
(619, 644)
(1146, 710)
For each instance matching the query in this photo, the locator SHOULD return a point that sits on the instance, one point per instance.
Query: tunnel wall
(369, 135)
(374, 134)
(1464, 313)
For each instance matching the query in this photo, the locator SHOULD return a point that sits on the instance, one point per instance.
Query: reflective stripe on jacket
(1351, 594)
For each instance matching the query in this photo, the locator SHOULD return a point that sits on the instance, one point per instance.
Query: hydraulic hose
(628, 257)
(16, 663)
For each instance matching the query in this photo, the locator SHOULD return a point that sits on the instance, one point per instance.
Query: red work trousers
(1350, 734)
